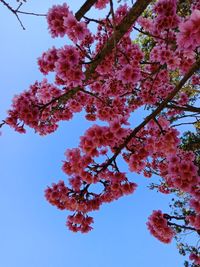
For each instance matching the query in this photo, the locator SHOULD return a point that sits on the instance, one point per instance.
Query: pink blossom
(158, 227)
(55, 19)
(189, 36)
(195, 258)
(101, 4)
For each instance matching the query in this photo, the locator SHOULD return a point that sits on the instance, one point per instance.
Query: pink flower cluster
(46, 92)
(137, 160)
(100, 4)
(195, 4)
(76, 164)
(117, 186)
(129, 74)
(157, 88)
(167, 17)
(165, 55)
(158, 227)
(84, 171)
(182, 172)
(195, 80)
(80, 200)
(195, 258)
(63, 197)
(102, 136)
(194, 220)
(162, 139)
(79, 222)
(68, 67)
(195, 204)
(61, 21)
(146, 24)
(47, 61)
(28, 108)
(189, 36)
(66, 62)
(187, 59)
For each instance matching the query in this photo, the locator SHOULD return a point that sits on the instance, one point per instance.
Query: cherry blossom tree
(109, 75)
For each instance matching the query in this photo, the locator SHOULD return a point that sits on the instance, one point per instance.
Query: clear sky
(32, 232)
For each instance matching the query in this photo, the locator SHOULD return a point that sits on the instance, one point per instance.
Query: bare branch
(84, 9)
(184, 108)
(184, 123)
(31, 13)
(183, 226)
(13, 11)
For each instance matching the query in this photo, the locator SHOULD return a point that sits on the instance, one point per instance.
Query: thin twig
(183, 123)
(79, 14)
(148, 34)
(182, 226)
(84, 9)
(31, 13)
(94, 20)
(93, 95)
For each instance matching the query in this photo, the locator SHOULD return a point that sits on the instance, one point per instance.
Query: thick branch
(169, 217)
(121, 30)
(84, 9)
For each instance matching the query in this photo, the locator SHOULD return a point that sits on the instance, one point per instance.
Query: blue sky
(32, 232)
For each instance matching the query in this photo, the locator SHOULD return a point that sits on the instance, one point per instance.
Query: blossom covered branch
(109, 77)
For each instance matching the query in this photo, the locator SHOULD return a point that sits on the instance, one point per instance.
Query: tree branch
(14, 11)
(195, 67)
(79, 14)
(183, 226)
(84, 9)
(184, 108)
(31, 13)
(184, 123)
(169, 217)
(121, 30)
